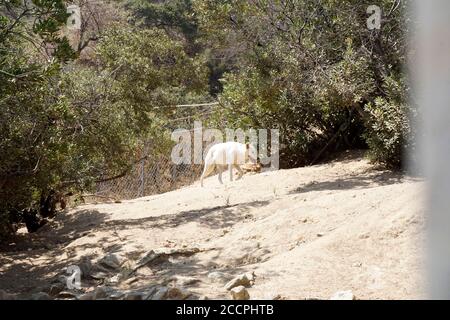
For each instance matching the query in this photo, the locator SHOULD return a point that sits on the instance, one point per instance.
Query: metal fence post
(141, 191)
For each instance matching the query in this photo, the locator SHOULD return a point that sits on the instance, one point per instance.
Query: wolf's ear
(247, 145)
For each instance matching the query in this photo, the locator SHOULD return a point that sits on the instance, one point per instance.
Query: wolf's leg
(206, 172)
(241, 173)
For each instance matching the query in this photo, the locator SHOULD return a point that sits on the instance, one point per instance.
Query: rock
(239, 293)
(184, 281)
(6, 296)
(40, 296)
(160, 293)
(56, 288)
(130, 281)
(67, 295)
(364, 236)
(245, 280)
(150, 258)
(111, 261)
(180, 251)
(87, 296)
(175, 293)
(85, 267)
(99, 275)
(273, 296)
(61, 279)
(217, 276)
(343, 295)
(250, 276)
(116, 295)
(115, 279)
(134, 295)
(149, 293)
(102, 292)
(157, 256)
(171, 293)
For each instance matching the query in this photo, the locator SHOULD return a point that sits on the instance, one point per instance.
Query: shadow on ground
(217, 217)
(368, 180)
(30, 261)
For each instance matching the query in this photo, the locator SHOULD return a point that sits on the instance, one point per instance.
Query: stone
(273, 296)
(85, 267)
(130, 281)
(111, 261)
(40, 296)
(175, 293)
(150, 258)
(56, 288)
(245, 280)
(343, 295)
(239, 293)
(157, 256)
(99, 275)
(66, 295)
(160, 293)
(184, 281)
(102, 292)
(61, 279)
(87, 296)
(217, 276)
(6, 296)
(116, 295)
(114, 279)
(149, 293)
(134, 295)
(250, 276)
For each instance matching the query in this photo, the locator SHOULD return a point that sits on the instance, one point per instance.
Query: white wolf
(231, 154)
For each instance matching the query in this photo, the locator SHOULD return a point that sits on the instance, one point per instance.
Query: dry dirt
(305, 233)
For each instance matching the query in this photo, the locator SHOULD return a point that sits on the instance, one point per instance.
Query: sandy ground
(305, 233)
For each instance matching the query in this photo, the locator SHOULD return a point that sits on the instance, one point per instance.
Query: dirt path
(305, 233)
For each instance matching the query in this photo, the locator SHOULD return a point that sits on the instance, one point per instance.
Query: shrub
(388, 132)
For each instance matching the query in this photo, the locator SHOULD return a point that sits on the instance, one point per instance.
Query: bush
(314, 71)
(66, 125)
(388, 132)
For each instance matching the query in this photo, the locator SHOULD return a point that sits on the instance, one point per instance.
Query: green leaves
(388, 132)
(308, 68)
(150, 69)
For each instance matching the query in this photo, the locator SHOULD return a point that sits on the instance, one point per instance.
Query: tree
(314, 70)
(66, 126)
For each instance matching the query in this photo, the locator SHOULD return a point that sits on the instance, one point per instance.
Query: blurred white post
(431, 72)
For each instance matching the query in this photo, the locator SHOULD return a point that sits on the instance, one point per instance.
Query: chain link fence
(157, 173)
(150, 176)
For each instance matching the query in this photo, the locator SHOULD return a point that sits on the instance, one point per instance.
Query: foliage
(66, 126)
(173, 16)
(310, 69)
(389, 133)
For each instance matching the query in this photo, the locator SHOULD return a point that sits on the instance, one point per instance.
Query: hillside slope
(305, 233)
